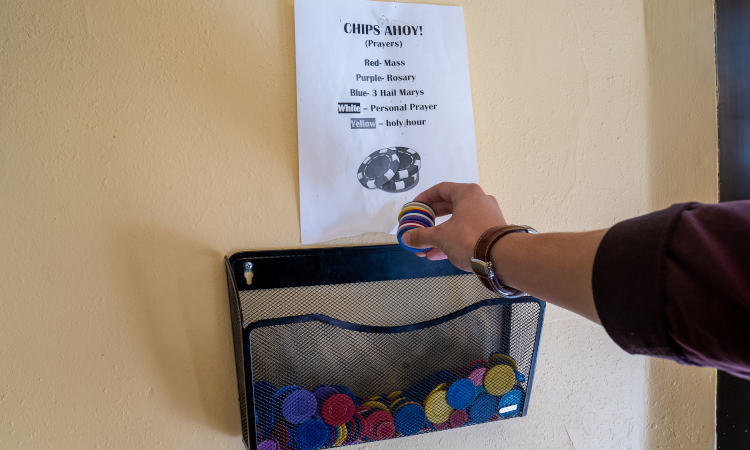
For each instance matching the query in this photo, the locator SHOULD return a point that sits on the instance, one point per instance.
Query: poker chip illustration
(392, 169)
(379, 168)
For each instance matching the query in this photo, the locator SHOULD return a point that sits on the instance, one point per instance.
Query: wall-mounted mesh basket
(339, 346)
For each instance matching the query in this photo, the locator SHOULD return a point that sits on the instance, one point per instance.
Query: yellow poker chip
(342, 435)
(440, 387)
(437, 408)
(374, 404)
(394, 395)
(398, 403)
(499, 358)
(499, 380)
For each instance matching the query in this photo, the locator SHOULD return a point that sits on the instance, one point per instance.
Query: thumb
(421, 238)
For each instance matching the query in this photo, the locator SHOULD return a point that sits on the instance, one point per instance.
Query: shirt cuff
(628, 283)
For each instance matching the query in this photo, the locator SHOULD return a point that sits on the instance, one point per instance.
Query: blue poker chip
(410, 419)
(312, 435)
(461, 394)
(510, 404)
(406, 247)
(263, 393)
(483, 408)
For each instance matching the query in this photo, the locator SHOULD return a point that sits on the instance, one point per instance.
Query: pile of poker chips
(414, 215)
(393, 169)
(331, 416)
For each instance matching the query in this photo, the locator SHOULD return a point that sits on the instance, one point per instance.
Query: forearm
(555, 267)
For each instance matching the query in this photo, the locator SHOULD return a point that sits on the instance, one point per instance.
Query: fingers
(420, 238)
(442, 208)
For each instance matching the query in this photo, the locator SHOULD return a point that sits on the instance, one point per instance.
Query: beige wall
(142, 141)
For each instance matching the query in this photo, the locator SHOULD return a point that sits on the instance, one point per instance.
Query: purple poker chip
(322, 394)
(268, 444)
(298, 406)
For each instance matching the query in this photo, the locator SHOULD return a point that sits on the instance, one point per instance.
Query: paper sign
(383, 111)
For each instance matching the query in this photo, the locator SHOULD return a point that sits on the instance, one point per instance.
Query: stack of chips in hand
(414, 215)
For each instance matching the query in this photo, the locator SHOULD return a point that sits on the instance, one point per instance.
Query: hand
(474, 212)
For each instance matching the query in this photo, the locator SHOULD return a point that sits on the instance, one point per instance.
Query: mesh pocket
(332, 365)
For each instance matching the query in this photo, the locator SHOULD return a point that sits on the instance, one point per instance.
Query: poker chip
(298, 406)
(477, 363)
(395, 394)
(461, 394)
(280, 434)
(499, 380)
(347, 391)
(401, 185)
(414, 215)
(374, 419)
(483, 408)
(510, 404)
(413, 205)
(458, 418)
(342, 430)
(436, 407)
(323, 393)
(311, 435)
(385, 430)
(268, 444)
(477, 375)
(499, 358)
(379, 168)
(374, 404)
(337, 410)
(410, 419)
(263, 393)
(400, 241)
(409, 162)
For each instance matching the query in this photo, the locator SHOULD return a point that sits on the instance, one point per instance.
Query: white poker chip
(401, 185)
(409, 162)
(379, 168)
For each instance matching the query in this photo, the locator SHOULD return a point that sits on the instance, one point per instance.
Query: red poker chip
(442, 426)
(337, 410)
(386, 430)
(280, 434)
(458, 418)
(373, 421)
(476, 364)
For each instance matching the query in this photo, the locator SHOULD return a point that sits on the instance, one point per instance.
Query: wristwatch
(482, 266)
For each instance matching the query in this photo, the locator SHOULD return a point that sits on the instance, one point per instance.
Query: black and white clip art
(392, 169)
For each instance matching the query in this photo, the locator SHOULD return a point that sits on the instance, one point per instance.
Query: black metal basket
(356, 344)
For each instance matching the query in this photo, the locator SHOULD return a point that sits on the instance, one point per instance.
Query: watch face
(480, 267)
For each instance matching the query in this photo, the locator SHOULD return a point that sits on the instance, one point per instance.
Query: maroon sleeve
(676, 284)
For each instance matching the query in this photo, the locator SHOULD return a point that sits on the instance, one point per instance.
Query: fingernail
(406, 239)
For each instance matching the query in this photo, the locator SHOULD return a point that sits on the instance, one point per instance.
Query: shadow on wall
(683, 167)
(178, 302)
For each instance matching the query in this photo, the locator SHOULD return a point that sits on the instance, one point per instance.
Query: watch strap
(482, 265)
